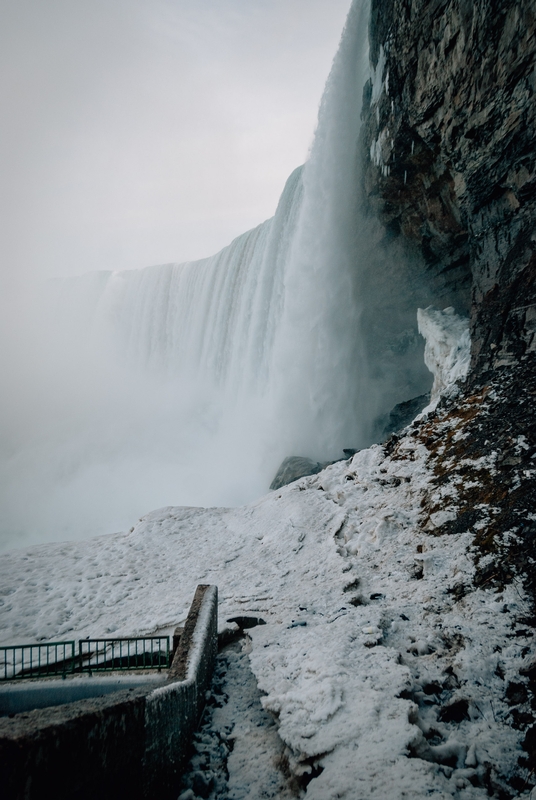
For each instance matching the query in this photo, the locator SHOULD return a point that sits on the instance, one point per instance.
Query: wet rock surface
(404, 413)
(295, 467)
(450, 157)
(450, 171)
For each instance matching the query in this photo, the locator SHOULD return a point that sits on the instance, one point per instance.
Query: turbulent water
(189, 383)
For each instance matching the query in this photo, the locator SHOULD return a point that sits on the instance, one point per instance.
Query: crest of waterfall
(212, 320)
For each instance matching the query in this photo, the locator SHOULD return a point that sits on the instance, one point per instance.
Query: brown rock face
(450, 143)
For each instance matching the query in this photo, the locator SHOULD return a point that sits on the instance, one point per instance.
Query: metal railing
(37, 660)
(93, 655)
(149, 652)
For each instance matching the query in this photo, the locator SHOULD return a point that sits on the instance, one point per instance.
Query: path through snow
(238, 754)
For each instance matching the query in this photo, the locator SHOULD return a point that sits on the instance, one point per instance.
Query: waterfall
(275, 315)
(210, 320)
(189, 383)
(319, 364)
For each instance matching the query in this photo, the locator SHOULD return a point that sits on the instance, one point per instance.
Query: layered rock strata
(450, 157)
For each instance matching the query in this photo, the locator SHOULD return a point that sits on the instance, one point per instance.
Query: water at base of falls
(188, 384)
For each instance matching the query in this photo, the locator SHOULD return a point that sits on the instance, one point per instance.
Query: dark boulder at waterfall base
(295, 467)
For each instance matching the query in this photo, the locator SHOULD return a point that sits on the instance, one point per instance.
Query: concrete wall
(184, 698)
(131, 743)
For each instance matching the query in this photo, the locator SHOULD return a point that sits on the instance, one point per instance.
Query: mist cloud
(145, 132)
(134, 133)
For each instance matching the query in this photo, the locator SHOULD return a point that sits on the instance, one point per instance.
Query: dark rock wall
(450, 151)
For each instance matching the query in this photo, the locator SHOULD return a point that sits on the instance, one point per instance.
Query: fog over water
(187, 384)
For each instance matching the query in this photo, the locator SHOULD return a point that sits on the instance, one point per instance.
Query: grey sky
(137, 132)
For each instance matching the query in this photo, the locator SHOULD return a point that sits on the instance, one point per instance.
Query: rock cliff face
(450, 170)
(450, 144)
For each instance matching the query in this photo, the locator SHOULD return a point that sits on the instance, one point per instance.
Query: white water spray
(319, 367)
(188, 384)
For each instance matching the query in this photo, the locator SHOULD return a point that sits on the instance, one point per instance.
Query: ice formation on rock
(447, 353)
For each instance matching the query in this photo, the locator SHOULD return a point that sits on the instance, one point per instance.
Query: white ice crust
(447, 352)
(379, 77)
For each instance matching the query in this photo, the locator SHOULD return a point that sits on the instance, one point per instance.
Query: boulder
(404, 413)
(295, 467)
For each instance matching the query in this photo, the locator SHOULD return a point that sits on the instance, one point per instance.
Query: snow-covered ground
(377, 666)
(362, 641)
(237, 752)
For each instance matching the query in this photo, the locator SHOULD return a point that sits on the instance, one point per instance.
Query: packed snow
(238, 754)
(363, 634)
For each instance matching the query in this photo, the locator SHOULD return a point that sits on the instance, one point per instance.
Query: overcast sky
(137, 132)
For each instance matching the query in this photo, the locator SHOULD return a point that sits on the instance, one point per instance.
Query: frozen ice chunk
(447, 352)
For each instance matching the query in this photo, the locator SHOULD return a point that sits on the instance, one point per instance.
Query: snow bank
(447, 352)
(366, 641)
